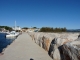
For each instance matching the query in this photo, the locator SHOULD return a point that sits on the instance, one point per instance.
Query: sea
(4, 42)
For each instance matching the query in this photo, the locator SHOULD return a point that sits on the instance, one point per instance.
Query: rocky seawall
(60, 46)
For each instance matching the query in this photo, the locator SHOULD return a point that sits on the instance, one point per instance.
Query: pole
(15, 25)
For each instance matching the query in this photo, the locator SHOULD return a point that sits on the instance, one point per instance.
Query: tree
(34, 27)
(49, 29)
(7, 28)
(25, 28)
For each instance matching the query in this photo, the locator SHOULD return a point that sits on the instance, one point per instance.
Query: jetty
(23, 48)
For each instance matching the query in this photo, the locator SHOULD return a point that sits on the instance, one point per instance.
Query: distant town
(18, 29)
(35, 29)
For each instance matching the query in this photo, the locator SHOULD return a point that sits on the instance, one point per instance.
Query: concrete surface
(23, 48)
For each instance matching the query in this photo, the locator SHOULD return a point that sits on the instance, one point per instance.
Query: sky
(40, 13)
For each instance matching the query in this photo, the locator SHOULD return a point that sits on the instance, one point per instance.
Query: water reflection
(10, 40)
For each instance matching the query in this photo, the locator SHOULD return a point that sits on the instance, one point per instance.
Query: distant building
(16, 28)
(2, 29)
(33, 30)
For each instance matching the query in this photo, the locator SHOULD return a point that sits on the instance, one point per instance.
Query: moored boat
(12, 34)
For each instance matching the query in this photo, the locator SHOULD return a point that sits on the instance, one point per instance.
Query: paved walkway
(23, 48)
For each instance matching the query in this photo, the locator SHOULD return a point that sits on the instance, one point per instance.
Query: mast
(15, 25)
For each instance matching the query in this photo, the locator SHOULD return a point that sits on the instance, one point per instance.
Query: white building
(16, 28)
(2, 29)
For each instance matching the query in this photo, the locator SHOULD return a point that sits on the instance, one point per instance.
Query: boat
(12, 34)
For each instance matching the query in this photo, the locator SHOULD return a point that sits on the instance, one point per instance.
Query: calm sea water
(4, 42)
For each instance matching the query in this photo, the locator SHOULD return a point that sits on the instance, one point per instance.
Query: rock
(71, 51)
(45, 43)
(55, 43)
(79, 36)
(55, 50)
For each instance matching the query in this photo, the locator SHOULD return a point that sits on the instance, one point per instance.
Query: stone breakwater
(60, 46)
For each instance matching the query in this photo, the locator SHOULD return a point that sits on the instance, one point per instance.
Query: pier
(23, 48)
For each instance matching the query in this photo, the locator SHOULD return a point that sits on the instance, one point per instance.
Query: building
(16, 28)
(2, 29)
(33, 30)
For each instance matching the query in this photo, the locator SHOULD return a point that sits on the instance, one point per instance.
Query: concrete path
(23, 48)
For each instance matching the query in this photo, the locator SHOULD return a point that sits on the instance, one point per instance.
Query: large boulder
(46, 40)
(54, 43)
(71, 50)
(55, 49)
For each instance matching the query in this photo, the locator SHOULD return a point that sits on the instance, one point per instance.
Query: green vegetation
(34, 27)
(48, 29)
(25, 28)
(7, 28)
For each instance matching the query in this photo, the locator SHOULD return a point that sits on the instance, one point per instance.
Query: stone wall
(60, 46)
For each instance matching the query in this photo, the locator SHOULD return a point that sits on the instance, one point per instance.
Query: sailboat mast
(15, 25)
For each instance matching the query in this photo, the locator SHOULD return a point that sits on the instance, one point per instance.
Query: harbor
(23, 48)
(39, 29)
(4, 42)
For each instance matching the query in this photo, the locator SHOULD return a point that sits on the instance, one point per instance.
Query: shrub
(49, 29)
